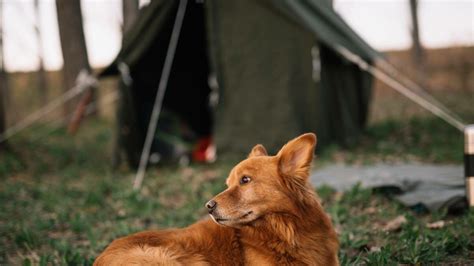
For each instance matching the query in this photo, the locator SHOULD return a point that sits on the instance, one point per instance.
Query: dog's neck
(290, 233)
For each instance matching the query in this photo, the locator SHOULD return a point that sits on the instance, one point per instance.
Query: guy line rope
(90, 108)
(84, 80)
(415, 94)
(419, 96)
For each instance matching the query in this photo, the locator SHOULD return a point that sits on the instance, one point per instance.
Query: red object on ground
(205, 150)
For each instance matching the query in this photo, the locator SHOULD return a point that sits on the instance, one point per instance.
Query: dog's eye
(244, 180)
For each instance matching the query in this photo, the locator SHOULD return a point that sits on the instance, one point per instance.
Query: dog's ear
(258, 150)
(296, 156)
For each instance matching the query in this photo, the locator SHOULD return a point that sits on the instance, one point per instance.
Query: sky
(384, 24)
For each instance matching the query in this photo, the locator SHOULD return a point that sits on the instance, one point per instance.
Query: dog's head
(263, 184)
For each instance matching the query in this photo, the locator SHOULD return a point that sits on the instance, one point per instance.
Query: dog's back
(203, 243)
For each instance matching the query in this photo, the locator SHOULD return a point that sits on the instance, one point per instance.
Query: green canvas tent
(277, 72)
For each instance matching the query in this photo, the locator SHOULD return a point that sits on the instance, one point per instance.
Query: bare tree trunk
(417, 48)
(3, 122)
(73, 44)
(3, 83)
(130, 13)
(415, 32)
(41, 75)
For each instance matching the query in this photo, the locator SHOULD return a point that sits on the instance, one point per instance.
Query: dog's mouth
(230, 220)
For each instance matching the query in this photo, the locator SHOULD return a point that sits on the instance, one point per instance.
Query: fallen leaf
(121, 213)
(375, 249)
(395, 224)
(370, 210)
(338, 196)
(338, 229)
(437, 225)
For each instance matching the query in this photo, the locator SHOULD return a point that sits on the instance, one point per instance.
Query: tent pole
(469, 163)
(137, 183)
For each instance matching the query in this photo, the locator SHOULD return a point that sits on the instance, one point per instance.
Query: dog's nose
(211, 206)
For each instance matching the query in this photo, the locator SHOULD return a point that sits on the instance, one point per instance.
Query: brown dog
(268, 215)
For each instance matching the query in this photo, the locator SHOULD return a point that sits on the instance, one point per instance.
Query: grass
(62, 204)
(360, 216)
(427, 140)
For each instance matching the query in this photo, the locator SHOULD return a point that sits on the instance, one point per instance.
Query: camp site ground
(64, 197)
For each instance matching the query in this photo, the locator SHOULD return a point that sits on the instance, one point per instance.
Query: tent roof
(321, 19)
(315, 15)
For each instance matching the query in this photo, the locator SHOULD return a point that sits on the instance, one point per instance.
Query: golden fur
(268, 215)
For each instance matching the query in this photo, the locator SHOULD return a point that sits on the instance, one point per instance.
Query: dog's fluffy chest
(263, 255)
(255, 256)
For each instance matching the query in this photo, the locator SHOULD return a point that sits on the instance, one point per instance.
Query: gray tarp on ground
(434, 187)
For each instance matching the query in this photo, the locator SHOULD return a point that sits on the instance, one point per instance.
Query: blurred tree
(73, 45)
(417, 48)
(130, 13)
(3, 83)
(41, 75)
